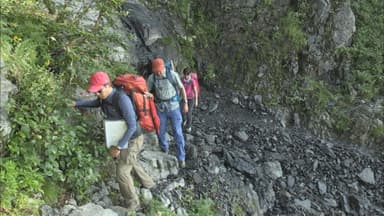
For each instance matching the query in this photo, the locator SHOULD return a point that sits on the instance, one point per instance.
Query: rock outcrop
(7, 89)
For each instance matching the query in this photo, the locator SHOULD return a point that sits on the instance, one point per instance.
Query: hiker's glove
(114, 151)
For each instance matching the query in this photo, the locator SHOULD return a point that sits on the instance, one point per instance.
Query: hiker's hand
(185, 107)
(114, 151)
(148, 94)
(72, 104)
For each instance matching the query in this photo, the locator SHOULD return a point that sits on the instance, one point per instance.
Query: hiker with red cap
(131, 143)
(167, 87)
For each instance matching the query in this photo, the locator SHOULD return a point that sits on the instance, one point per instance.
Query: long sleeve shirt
(117, 110)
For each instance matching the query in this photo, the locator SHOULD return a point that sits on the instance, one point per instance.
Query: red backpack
(196, 79)
(135, 86)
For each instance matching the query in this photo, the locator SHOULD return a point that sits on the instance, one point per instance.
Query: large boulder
(7, 88)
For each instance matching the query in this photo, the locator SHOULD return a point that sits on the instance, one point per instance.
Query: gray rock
(330, 202)
(213, 107)
(146, 194)
(46, 210)
(367, 176)
(258, 100)
(91, 209)
(210, 139)
(235, 100)
(7, 89)
(322, 187)
(273, 169)
(290, 181)
(305, 204)
(241, 135)
(147, 27)
(67, 209)
(158, 164)
(172, 186)
(344, 26)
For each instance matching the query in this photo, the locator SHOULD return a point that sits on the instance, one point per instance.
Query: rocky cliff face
(241, 152)
(267, 47)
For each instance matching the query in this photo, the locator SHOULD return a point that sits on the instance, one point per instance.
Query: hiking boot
(150, 185)
(133, 205)
(165, 151)
(182, 164)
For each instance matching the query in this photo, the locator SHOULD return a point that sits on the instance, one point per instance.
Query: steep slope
(238, 150)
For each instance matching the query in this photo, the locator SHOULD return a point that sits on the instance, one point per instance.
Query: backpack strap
(169, 76)
(115, 101)
(171, 79)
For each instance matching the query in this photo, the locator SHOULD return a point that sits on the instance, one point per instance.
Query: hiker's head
(99, 83)
(186, 71)
(158, 66)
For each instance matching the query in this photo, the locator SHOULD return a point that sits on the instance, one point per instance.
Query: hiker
(132, 141)
(190, 87)
(167, 85)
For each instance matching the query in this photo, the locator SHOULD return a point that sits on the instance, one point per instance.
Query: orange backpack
(135, 86)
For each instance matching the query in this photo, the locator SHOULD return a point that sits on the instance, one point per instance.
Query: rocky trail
(239, 153)
(241, 156)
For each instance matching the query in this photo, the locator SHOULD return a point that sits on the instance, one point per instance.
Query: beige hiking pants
(128, 162)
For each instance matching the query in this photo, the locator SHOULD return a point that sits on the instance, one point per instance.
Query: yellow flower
(16, 39)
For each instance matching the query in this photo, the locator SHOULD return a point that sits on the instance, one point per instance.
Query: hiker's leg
(124, 177)
(191, 105)
(185, 117)
(176, 120)
(163, 130)
(135, 147)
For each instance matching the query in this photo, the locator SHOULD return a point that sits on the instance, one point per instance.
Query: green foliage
(43, 141)
(210, 73)
(238, 210)
(368, 48)
(268, 2)
(202, 207)
(51, 191)
(305, 10)
(378, 132)
(317, 96)
(342, 121)
(16, 182)
(156, 208)
(291, 31)
(187, 48)
(120, 68)
(43, 53)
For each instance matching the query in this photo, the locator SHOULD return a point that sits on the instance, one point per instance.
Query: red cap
(97, 81)
(158, 65)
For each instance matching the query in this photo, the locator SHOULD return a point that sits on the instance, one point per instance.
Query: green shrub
(367, 49)
(202, 207)
(43, 55)
(156, 207)
(377, 132)
(19, 187)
